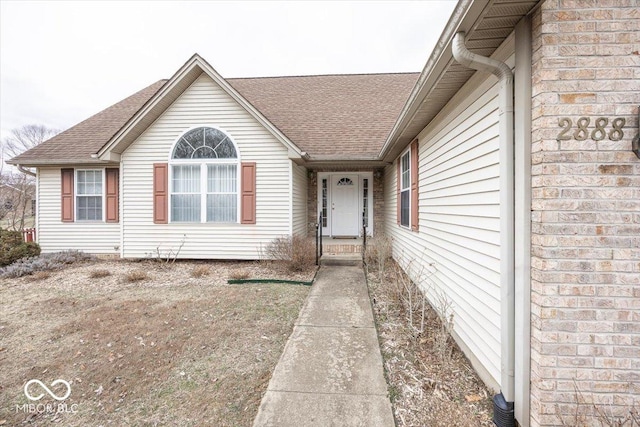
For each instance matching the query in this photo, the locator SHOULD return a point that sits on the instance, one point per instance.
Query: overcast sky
(61, 62)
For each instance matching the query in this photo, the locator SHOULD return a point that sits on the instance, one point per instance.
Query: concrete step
(347, 259)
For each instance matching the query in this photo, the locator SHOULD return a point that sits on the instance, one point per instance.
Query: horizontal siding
(459, 221)
(54, 235)
(299, 176)
(204, 103)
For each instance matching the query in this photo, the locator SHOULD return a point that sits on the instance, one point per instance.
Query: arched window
(204, 177)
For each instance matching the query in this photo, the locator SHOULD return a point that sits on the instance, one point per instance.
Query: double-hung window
(405, 189)
(185, 197)
(204, 177)
(222, 193)
(89, 195)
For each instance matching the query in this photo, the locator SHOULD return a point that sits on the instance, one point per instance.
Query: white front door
(344, 205)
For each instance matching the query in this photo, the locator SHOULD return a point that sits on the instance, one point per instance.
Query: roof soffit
(487, 25)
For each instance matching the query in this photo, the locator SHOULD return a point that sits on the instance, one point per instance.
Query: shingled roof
(78, 143)
(330, 117)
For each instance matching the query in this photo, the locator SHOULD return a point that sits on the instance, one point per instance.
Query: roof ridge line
(322, 75)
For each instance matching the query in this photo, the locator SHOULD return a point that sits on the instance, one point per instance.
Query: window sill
(408, 228)
(203, 223)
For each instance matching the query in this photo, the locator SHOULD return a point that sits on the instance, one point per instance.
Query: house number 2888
(597, 133)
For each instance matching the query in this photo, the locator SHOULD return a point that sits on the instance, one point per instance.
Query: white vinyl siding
(96, 237)
(299, 175)
(204, 103)
(459, 223)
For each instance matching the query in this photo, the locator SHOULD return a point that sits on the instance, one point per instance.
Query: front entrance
(344, 205)
(343, 199)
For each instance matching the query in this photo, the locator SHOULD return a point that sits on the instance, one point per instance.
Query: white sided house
(507, 175)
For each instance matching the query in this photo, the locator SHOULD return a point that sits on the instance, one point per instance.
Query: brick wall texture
(585, 212)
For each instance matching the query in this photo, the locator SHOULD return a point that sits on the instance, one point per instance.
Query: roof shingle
(331, 116)
(79, 142)
(348, 116)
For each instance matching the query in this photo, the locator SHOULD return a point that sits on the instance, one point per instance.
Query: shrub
(135, 276)
(296, 252)
(44, 262)
(99, 273)
(378, 253)
(200, 271)
(239, 274)
(40, 275)
(12, 248)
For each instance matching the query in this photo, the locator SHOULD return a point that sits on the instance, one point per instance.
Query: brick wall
(312, 202)
(378, 202)
(585, 212)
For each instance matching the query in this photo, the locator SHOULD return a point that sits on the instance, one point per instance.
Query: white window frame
(406, 153)
(204, 163)
(76, 195)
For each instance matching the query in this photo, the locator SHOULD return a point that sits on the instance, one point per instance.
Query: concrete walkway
(330, 373)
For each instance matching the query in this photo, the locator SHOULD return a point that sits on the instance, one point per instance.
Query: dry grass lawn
(144, 344)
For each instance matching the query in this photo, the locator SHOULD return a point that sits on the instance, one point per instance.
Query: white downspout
(24, 170)
(507, 208)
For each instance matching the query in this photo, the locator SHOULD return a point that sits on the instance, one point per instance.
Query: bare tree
(24, 138)
(17, 191)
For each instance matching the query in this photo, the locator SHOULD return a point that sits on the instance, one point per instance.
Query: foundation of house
(335, 246)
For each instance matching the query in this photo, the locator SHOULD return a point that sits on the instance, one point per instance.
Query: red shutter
(398, 177)
(67, 195)
(414, 185)
(160, 193)
(112, 176)
(248, 193)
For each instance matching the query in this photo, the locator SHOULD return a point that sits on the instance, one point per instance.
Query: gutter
(25, 171)
(507, 208)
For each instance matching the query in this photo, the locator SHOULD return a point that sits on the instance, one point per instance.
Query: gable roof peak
(177, 84)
